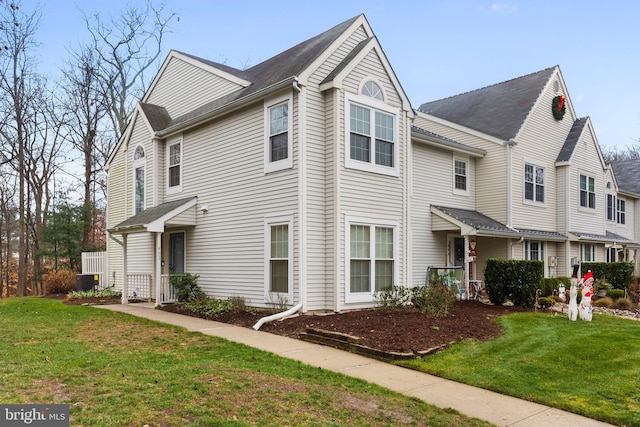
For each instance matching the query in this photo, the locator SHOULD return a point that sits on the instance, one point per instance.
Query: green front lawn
(117, 370)
(590, 368)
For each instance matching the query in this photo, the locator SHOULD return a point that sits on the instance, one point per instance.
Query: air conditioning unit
(553, 261)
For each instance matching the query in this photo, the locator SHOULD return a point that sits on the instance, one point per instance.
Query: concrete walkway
(472, 401)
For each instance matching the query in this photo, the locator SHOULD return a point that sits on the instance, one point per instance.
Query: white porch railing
(140, 286)
(167, 291)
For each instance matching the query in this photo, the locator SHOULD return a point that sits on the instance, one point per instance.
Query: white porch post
(125, 284)
(466, 265)
(157, 279)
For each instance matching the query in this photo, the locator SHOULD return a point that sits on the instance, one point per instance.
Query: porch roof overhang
(473, 223)
(175, 213)
(608, 238)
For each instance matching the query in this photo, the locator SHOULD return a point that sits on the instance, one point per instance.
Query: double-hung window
(587, 252)
(278, 134)
(174, 165)
(372, 135)
(534, 183)
(621, 214)
(138, 180)
(587, 192)
(372, 255)
(460, 175)
(611, 207)
(534, 250)
(279, 256)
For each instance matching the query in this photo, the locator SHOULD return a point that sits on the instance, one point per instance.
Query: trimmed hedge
(515, 280)
(619, 274)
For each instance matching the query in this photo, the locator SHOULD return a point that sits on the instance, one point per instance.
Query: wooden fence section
(96, 263)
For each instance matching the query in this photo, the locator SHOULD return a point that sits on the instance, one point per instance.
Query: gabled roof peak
(498, 110)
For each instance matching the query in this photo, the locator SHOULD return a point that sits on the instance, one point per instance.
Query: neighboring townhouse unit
(308, 179)
(543, 190)
(285, 182)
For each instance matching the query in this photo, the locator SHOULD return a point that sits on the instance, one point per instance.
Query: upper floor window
(371, 135)
(278, 134)
(174, 165)
(533, 183)
(621, 217)
(611, 207)
(460, 175)
(138, 180)
(372, 89)
(534, 250)
(587, 192)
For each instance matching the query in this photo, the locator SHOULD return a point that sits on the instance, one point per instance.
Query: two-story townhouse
(622, 190)
(540, 187)
(286, 182)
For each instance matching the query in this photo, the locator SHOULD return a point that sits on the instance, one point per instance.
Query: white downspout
(276, 316)
(302, 198)
(510, 144)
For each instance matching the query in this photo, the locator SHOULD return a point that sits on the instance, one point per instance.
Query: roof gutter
(227, 108)
(443, 143)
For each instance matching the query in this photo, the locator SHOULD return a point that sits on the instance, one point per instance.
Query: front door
(458, 251)
(176, 252)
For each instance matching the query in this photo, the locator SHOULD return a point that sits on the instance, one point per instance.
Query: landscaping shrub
(60, 281)
(393, 297)
(603, 302)
(622, 304)
(619, 274)
(634, 290)
(186, 286)
(516, 280)
(209, 306)
(434, 300)
(546, 302)
(614, 294)
(548, 285)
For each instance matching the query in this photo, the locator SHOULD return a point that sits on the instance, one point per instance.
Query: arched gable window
(138, 180)
(372, 89)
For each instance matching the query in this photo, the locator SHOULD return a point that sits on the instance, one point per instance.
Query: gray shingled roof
(572, 140)
(147, 216)
(608, 237)
(486, 225)
(157, 116)
(444, 141)
(627, 174)
(278, 69)
(498, 110)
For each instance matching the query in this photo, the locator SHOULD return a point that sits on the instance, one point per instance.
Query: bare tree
(127, 45)
(85, 105)
(613, 154)
(17, 65)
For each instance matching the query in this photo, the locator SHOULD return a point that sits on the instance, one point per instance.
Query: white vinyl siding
(184, 87)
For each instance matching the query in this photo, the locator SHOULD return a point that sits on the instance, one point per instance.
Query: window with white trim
(587, 192)
(372, 254)
(534, 250)
(533, 183)
(278, 134)
(587, 252)
(621, 211)
(174, 165)
(371, 142)
(460, 175)
(279, 255)
(611, 207)
(138, 180)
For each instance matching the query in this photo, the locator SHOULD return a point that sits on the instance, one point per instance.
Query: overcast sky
(437, 48)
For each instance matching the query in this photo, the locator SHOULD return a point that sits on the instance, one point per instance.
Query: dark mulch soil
(385, 330)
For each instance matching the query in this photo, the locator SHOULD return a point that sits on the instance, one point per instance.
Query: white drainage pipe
(276, 316)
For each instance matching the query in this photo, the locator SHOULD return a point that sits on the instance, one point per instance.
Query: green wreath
(558, 107)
